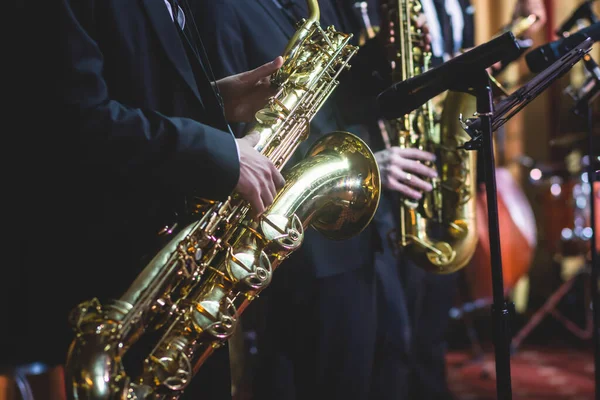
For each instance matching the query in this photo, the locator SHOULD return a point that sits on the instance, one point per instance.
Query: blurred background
(544, 207)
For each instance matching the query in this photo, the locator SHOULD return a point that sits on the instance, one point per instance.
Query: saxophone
(190, 295)
(438, 231)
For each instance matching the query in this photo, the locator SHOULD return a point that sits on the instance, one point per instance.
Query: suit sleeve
(138, 144)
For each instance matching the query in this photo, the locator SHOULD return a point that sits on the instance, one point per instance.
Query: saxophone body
(190, 295)
(438, 231)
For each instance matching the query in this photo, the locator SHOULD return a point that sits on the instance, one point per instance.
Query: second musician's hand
(402, 170)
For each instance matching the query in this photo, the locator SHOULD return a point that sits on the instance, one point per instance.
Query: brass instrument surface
(194, 289)
(436, 232)
(444, 229)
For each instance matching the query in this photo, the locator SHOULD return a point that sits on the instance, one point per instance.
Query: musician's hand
(246, 93)
(259, 180)
(399, 169)
(421, 23)
(524, 8)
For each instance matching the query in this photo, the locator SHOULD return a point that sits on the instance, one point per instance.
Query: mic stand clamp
(479, 85)
(589, 89)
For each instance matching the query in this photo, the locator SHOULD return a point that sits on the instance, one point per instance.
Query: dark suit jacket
(249, 33)
(112, 161)
(469, 28)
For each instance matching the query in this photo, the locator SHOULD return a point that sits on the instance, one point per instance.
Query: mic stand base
(479, 86)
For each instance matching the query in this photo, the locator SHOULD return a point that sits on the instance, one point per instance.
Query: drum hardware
(585, 196)
(583, 107)
(571, 139)
(568, 241)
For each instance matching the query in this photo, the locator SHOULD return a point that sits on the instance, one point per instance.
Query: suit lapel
(274, 12)
(171, 42)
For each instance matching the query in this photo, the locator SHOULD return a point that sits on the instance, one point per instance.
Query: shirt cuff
(237, 148)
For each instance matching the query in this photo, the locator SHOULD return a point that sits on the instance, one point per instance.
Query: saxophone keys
(217, 318)
(250, 267)
(286, 232)
(441, 254)
(172, 368)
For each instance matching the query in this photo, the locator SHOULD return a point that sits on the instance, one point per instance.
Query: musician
(125, 121)
(335, 317)
(452, 29)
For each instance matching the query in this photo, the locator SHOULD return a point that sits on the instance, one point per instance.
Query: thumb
(265, 70)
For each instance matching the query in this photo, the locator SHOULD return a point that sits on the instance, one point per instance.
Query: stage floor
(538, 373)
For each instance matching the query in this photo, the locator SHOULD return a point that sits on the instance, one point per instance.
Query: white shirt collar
(180, 14)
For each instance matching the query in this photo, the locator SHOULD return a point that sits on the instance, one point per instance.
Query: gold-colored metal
(191, 294)
(438, 231)
(519, 26)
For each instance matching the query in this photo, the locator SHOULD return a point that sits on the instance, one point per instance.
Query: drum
(558, 213)
(518, 238)
(597, 216)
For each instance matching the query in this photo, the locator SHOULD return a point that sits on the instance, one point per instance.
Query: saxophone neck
(404, 38)
(314, 12)
(519, 26)
(291, 50)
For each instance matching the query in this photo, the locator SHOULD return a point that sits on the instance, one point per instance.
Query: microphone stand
(584, 103)
(489, 119)
(479, 85)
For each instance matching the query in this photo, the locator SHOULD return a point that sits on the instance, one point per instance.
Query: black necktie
(201, 75)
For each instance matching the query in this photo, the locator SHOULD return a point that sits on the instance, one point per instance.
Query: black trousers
(213, 380)
(332, 338)
(430, 298)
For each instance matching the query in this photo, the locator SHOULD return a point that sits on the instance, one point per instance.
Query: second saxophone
(437, 232)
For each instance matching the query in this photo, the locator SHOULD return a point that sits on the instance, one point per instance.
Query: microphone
(584, 11)
(543, 56)
(404, 97)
